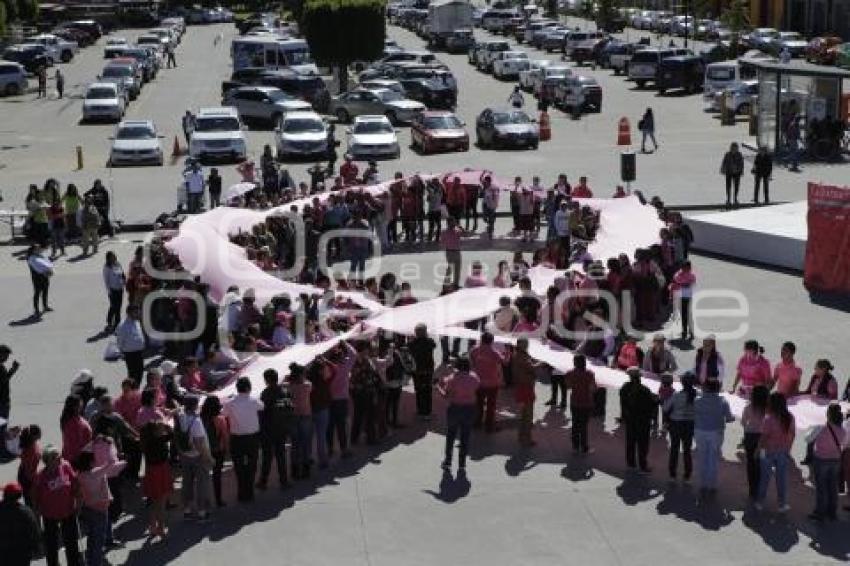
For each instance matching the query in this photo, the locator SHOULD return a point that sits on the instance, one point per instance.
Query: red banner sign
(827, 266)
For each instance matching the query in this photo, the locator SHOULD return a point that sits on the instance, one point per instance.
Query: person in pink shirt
(54, 495)
(127, 405)
(753, 369)
(450, 241)
(581, 190)
(525, 325)
(476, 276)
(787, 374)
(192, 379)
(488, 364)
(777, 436)
(828, 443)
(76, 432)
(503, 276)
(302, 427)
(460, 389)
(823, 384)
(95, 497)
(682, 289)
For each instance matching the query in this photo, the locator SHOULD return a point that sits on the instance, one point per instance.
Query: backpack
(282, 411)
(184, 437)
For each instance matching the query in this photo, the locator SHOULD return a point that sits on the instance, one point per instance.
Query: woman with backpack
(646, 126)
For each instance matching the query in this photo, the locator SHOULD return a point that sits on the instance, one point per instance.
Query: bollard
(79, 157)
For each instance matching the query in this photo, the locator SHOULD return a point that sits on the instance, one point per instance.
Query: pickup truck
(58, 49)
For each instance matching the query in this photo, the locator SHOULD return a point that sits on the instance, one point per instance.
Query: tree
(2, 19)
(340, 32)
(736, 17)
(28, 10)
(11, 8)
(606, 13)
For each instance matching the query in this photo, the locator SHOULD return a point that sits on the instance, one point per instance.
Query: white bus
(272, 52)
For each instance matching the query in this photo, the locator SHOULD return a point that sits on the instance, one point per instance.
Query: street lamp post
(686, 23)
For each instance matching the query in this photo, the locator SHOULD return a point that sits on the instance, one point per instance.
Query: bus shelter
(810, 95)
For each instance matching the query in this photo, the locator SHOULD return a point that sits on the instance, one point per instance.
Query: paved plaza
(392, 505)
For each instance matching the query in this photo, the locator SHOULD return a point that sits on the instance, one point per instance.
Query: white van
(725, 74)
(272, 52)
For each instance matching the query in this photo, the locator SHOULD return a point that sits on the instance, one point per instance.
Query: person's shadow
(26, 321)
(451, 488)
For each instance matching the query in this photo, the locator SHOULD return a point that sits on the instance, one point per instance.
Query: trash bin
(628, 166)
(754, 121)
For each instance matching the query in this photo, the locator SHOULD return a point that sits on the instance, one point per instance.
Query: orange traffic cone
(545, 127)
(176, 151)
(624, 132)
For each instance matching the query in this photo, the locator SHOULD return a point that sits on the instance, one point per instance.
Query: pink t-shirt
(774, 438)
(487, 363)
(127, 405)
(475, 281)
(75, 435)
(525, 326)
(828, 442)
(193, 381)
(460, 388)
(450, 239)
(301, 397)
(787, 377)
(754, 371)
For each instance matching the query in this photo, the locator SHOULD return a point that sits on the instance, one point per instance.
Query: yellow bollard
(79, 157)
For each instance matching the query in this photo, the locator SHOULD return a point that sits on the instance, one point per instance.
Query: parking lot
(40, 135)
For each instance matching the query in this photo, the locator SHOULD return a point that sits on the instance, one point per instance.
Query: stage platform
(772, 235)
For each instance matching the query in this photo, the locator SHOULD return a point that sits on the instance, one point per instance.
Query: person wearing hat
(637, 407)
(131, 341)
(659, 359)
(20, 536)
(54, 496)
(195, 460)
(711, 414)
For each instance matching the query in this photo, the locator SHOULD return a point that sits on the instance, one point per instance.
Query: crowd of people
(171, 419)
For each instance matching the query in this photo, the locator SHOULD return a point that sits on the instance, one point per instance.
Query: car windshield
(721, 74)
(302, 125)
(373, 128)
(792, 36)
(149, 39)
(135, 133)
(511, 118)
(389, 96)
(279, 96)
(299, 57)
(216, 124)
(100, 93)
(117, 72)
(442, 123)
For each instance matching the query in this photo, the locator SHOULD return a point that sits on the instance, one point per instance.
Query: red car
(438, 130)
(820, 50)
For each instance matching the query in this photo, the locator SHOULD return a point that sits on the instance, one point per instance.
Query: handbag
(112, 352)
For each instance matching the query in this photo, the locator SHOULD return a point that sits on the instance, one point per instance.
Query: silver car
(263, 103)
(13, 78)
(361, 102)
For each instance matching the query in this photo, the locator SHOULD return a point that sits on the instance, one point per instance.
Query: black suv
(435, 87)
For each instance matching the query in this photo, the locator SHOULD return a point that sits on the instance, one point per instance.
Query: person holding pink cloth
(787, 374)
(753, 369)
(460, 388)
(777, 436)
(488, 364)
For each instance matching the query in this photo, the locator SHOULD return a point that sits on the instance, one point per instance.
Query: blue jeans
(96, 524)
(826, 487)
(459, 421)
(769, 462)
(303, 437)
(708, 443)
(320, 423)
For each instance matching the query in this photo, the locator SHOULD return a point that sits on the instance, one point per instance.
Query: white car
(151, 40)
(135, 142)
(527, 76)
(103, 101)
(301, 134)
(58, 49)
(508, 64)
(13, 78)
(115, 47)
(372, 136)
(389, 84)
(171, 34)
(546, 72)
(218, 134)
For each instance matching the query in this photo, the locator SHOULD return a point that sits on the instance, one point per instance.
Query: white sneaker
(784, 508)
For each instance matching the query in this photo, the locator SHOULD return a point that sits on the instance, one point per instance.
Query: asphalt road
(40, 136)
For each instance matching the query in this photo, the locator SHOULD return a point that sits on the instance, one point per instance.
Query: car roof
(11, 64)
(436, 113)
(112, 86)
(146, 123)
(371, 118)
(217, 111)
(258, 88)
(301, 115)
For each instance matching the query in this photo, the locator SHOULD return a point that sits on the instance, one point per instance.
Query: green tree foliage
(2, 19)
(736, 17)
(606, 11)
(28, 10)
(340, 32)
(11, 8)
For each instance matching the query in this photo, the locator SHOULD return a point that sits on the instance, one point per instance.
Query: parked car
(715, 53)
(58, 49)
(643, 66)
(103, 101)
(115, 46)
(820, 49)
(618, 55)
(539, 83)
(527, 76)
(32, 58)
(78, 36)
(265, 104)
(642, 20)
(218, 135)
(13, 78)
(686, 72)
(508, 64)
(372, 136)
(484, 62)
(539, 36)
(535, 26)
(741, 97)
(160, 43)
(460, 41)
(682, 26)
(389, 84)
(554, 40)
(435, 88)
(136, 142)
(589, 50)
(126, 73)
(359, 102)
(302, 134)
(760, 38)
(576, 38)
(433, 131)
(91, 27)
(584, 92)
(791, 41)
(147, 60)
(506, 128)
(307, 87)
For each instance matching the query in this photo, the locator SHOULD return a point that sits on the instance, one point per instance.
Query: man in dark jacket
(19, 533)
(732, 168)
(762, 169)
(637, 405)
